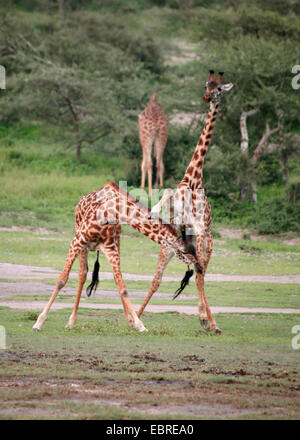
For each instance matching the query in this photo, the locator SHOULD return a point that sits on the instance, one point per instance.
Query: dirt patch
(36, 288)
(187, 118)
(292, 241)
(19, 271)
(188, 310)
(27, 229)
(240, 234)
(76, 391)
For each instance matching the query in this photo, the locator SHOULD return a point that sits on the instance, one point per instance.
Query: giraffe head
(186, 253)
(214, 88)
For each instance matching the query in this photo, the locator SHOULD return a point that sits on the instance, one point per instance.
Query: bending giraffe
(98, 220)
(153, 130)
(190, 211)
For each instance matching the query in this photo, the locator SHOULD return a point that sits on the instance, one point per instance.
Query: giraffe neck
(113, 205)
(193, 175)
(137, 216)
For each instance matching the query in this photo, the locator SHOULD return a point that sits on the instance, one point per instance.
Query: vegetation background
(78, 73)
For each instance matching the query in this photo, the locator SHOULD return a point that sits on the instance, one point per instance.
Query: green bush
(293, 191)
(277, 215)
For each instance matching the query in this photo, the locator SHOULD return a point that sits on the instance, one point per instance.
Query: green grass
(251, 368)
(236, 294)
(41, 181)
(139, 255)
(44, 201)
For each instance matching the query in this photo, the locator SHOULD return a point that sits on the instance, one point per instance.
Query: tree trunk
(244, 131)
(286, 169)
(61, 12)
(250, 172)
(254, 191)
(246, 188)
(78, 152)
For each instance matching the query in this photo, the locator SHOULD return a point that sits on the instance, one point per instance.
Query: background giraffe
(153, 130)
(188, 190)
(98, 227)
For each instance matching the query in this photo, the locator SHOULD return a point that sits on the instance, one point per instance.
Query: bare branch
(96, 138)
(271, 148)
(263, 142)
(244, 130)
(36, 55)
(70, 106)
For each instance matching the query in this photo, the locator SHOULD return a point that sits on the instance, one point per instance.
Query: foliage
(86, 70)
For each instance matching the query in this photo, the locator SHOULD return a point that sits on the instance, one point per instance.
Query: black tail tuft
(184, 282)
(95, 277)
(154, 170)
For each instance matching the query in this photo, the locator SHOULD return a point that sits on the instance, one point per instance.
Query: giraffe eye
(219, 88)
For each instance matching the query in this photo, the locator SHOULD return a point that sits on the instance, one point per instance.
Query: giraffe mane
(143, 208)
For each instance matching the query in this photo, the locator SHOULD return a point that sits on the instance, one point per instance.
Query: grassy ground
(139, 255)
(103, 369)
(239, 294)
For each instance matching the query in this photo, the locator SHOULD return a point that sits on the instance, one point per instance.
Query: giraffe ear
(226, 87)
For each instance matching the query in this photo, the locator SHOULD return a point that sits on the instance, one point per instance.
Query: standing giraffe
(98, 220)
(153, 129)
(191, 189)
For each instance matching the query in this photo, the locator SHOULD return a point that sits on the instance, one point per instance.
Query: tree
(253, 160)
(87, 76)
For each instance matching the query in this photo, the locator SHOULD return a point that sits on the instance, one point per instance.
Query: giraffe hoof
(217, 331)
(204, 322)
(143, 330)
(35, 329)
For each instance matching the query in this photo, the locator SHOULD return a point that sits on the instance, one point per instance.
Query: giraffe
(98, 220)
(185, 216)
(153, 129)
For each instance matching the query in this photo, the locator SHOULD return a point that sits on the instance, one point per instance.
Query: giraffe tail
(95, 277)
(154, 170)
(184, 283)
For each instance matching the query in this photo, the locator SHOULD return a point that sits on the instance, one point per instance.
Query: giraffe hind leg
(62, 279)
(83, 270)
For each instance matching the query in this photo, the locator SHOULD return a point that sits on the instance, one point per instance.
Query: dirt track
(19, 271)
(189, 310)
(13, 271)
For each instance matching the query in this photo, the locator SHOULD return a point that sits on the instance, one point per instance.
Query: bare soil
(10, 289)
(188, 310)
(19, 271)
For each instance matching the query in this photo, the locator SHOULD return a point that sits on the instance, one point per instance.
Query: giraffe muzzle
(198, 268)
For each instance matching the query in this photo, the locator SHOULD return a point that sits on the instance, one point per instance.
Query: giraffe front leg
(163, 260)
(113, 256)
(201, 304)
(200, 283)
(205, 314)
(209, 248)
